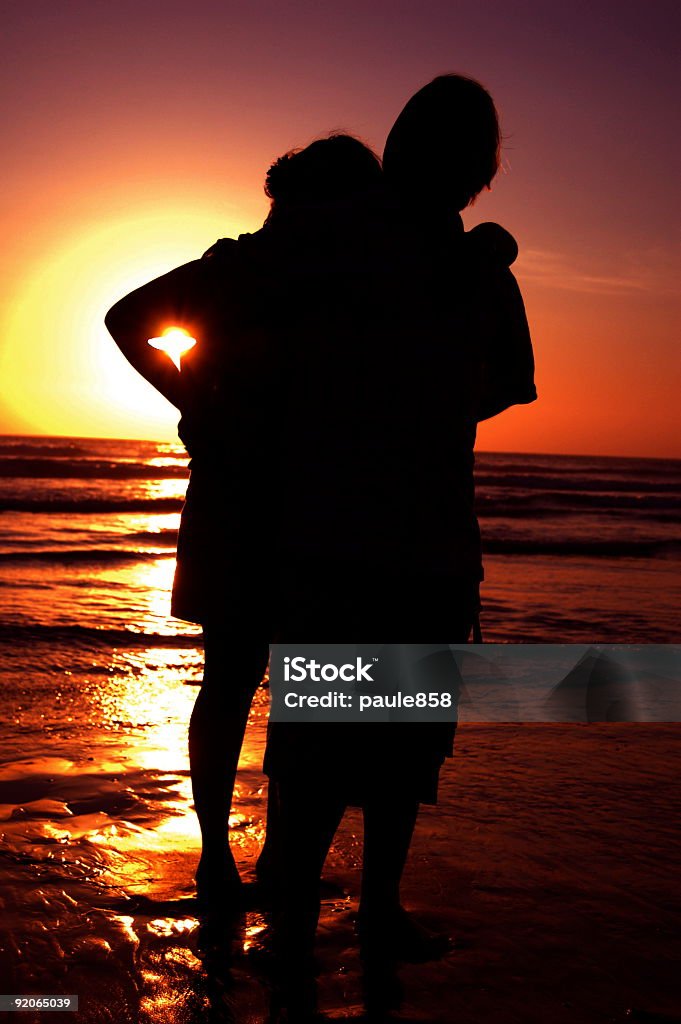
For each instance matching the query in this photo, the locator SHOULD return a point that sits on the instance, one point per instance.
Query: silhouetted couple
(346, 352)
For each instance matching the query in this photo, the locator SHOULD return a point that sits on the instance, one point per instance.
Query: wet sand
(553, 861)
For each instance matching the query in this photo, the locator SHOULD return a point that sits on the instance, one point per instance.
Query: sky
(136, 133)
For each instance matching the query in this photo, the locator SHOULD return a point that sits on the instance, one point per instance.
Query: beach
(551, 858)
(552, 861)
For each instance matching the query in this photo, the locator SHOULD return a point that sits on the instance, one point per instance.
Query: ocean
(98, 840)
(578, 548)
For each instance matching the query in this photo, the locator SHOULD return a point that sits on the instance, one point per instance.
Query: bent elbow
(121, 323)
(112, 320)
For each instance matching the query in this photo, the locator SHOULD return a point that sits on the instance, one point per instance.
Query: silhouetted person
(408, 332)
(218, 579)
(351, 347)
(231, 301)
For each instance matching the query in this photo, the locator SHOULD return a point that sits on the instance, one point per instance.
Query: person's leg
(266, 864)
(309, 816)
(387, 932)
(388, 830)
(233, 670)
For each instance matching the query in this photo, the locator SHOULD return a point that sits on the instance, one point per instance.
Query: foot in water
(220, 889)
(382, 991)
(294, 994)
(397, 936)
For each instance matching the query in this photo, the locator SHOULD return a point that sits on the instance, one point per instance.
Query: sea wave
(566, 546)
(166, 536)
(578, 546)
(538, 504)
(58, 448)
(88, 468)
(88, 505)
(69, 556)
(549, 502)
(601, 486)
(561, 481)
(88, 636)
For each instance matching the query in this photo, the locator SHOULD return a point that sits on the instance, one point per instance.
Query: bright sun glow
(61, 371)
(174, 341)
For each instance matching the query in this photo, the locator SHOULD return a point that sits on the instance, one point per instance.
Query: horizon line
(477, 451)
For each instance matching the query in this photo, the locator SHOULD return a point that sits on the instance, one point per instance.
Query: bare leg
(309, 817)
(267, 863)
(388, 830)
(233, 670)
(387, 931)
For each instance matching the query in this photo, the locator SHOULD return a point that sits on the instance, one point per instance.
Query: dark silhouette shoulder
(507, 355)
(492, 242)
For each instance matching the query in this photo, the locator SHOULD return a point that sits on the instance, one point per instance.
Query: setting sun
(174, 341)
(97, 206)
(61, 371)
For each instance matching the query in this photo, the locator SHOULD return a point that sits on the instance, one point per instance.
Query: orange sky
(140, 132)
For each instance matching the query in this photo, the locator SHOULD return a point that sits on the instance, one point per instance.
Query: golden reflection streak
(146, 697)
(254, 931)
(165, 927)
(154, 581)
(172, 487)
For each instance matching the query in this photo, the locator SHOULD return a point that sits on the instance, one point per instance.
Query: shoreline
(550, 858)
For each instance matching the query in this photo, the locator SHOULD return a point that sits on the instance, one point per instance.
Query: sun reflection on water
(145, 839)
(167, 927)
(163, 461)
(168, 487)
(254, 932)
(148, 585)
(156, 578)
